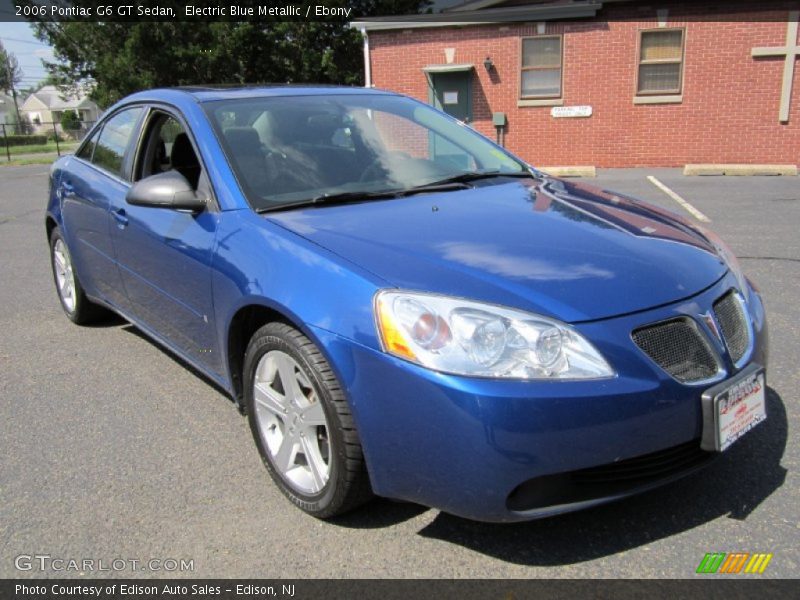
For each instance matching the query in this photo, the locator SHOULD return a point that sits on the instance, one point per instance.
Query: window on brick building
(660, 62)
(541, 67)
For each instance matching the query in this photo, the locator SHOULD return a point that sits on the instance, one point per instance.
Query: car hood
(562, 249)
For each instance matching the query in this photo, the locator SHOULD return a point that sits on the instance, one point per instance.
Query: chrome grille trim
(681, 349)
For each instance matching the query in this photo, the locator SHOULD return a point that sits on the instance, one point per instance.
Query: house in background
(46, 106)
(611, 83)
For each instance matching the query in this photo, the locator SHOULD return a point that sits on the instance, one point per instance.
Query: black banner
(169, 11)
(347, 11)
(708, 588)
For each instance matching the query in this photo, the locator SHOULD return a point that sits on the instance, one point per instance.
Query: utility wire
(10, 39)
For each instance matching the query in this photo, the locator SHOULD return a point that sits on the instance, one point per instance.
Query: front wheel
(302, 424)
(73, 299)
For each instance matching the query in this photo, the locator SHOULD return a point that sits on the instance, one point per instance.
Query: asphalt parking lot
(111, 448)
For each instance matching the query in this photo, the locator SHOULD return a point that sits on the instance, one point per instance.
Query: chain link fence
(40, 139)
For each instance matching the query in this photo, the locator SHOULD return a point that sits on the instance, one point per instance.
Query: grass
(21, 162)
(39, 148)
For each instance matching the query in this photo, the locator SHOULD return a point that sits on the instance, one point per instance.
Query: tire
(306, 437)
(76, 305)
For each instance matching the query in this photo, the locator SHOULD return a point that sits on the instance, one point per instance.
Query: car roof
(210, 93)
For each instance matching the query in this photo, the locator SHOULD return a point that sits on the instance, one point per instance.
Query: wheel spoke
(313, 415)
(269, 399)
(60, 262)
(286, 369)
(316, 465)
(285, 456)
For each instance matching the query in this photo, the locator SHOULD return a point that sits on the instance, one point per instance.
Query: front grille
(610, 480)
(644, 468)
(678, 347)
(732, 321)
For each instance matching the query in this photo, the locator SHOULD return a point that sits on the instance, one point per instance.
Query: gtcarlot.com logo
(734, 562)
(46, 562)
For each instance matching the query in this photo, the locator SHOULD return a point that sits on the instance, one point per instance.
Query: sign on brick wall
(560, 112)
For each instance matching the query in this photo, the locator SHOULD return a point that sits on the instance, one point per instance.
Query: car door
(95, 178)
(164, 255)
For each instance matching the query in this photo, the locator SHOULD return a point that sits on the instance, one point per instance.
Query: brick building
(617, 83)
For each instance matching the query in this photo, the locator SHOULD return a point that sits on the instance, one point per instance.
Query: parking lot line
(688, 207)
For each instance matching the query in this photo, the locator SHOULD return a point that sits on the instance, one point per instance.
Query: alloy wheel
(65, 277)
(291, 422)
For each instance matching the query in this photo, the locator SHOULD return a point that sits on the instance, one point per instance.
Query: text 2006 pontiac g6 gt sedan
(402, 307)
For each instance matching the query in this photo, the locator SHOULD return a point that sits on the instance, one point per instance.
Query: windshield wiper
(468, 176)
(347, 197)
(338, 198)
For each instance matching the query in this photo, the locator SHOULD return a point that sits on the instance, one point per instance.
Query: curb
(575, 171)
(739, 170)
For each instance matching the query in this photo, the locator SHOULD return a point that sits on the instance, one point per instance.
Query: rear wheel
(73, 299)
(302, 424)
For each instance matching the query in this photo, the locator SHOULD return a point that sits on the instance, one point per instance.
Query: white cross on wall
(790, 51)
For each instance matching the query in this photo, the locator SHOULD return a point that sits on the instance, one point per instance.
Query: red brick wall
(729, 112)
(396, 135)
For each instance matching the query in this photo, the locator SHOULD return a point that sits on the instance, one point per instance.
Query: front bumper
(466, 445)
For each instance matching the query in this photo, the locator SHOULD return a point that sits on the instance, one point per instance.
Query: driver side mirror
(165, 190)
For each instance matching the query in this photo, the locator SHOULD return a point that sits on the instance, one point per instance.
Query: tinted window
(87, 149)
(114, 139)
(166, 148)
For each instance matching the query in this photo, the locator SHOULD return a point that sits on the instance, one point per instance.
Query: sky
(18, 39)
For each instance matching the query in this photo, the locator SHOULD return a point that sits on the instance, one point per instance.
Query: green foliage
(10, 73)
(23, 140)
(70, 121)
(121, 58)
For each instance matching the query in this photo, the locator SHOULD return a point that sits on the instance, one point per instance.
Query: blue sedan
(401, 307)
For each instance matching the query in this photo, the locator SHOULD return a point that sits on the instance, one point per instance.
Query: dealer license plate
(733, 408)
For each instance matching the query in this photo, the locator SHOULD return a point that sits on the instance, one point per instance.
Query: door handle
(120, 217)
(67, 190)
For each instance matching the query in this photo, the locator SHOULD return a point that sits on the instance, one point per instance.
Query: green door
(452, 93)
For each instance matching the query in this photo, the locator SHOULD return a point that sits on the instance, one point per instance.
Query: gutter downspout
(367, 65)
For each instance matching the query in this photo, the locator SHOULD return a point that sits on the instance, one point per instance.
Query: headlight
(471, 338)
(729, 258)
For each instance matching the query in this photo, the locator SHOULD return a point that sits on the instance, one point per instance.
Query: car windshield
(293, 149)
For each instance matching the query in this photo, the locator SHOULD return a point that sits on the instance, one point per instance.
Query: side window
(114, 139)
(87, 150)
(167, 147)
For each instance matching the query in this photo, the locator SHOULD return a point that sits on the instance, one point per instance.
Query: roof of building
(54, 99)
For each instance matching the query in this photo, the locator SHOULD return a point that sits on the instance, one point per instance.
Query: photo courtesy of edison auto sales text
(167, 589)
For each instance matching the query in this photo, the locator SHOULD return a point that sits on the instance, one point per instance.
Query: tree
(10, 76)
(121, 58)
(10, 73)
(70, 121)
